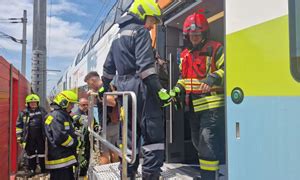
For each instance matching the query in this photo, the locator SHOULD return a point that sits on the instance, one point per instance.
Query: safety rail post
(122, 151)
(90, 123)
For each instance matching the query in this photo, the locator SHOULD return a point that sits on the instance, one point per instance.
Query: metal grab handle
(121, 152)
(171, 108)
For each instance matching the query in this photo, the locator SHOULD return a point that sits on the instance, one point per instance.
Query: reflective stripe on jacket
(61, 139)
(203, 66)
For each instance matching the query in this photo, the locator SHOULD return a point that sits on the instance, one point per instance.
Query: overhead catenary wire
(4, 35)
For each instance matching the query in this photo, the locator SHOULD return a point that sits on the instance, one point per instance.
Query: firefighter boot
(150, 176)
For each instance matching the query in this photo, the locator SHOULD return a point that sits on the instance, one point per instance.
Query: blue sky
(70, 23)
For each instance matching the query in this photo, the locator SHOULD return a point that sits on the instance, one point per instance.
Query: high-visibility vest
(197, 65)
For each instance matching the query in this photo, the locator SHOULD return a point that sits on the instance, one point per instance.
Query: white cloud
(66, 7)
(65, 37)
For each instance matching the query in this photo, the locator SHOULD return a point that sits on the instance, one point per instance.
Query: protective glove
(175, 94)
(83, 163)
(165, 98)
(101, 92)
(105, 86)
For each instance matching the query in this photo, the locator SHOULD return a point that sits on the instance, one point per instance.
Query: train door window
(294, 28)
(110, 19)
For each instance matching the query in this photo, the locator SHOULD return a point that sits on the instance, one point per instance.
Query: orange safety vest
(196, 65)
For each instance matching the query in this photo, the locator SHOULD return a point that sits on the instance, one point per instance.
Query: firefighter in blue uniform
(81, 124)
(61, 138)
(29, 129)
(132, 57)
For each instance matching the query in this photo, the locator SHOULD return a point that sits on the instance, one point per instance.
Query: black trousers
(35, 148)
(208, 136)
(150, 127)
(62, 174)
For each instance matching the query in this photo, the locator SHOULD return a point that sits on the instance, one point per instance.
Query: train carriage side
(262, 46)
(262, 56)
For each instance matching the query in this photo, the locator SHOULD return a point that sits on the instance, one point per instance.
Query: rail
(127, 155)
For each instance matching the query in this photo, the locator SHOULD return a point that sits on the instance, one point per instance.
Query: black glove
(175, 94)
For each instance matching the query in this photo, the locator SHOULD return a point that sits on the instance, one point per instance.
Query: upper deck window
(87, 47)
(294, 28)
(110, 19)
(96, 36)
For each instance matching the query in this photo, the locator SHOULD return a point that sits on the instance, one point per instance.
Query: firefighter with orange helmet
(202, 75)
(29, 129)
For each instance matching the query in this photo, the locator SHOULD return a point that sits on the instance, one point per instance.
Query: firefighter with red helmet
(29, 129)
(202, 75)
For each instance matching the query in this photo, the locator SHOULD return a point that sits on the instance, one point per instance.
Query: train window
(82, 53)
(79, 57)
(126, 4)
(87, 47)
(294, 28)
(110, 19)
(96, 36)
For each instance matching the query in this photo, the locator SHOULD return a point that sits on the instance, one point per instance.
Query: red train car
(14, 87)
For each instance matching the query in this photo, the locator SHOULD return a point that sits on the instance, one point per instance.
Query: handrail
(126, 154)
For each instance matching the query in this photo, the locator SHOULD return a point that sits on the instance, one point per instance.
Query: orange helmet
(195, 24)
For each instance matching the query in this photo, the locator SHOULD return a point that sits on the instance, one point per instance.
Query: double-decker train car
(262, 55)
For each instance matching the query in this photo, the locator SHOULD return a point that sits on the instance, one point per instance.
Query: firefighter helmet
(64, 98)
(195, 24)
(32, 98)
(143, 8)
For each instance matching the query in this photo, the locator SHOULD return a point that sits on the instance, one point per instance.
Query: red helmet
(195, 24)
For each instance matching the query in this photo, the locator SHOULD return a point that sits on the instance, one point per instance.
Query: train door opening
(179, 147)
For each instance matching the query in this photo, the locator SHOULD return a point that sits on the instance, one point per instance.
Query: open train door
(262, 84)
(170, 43)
